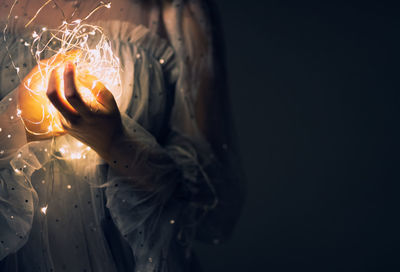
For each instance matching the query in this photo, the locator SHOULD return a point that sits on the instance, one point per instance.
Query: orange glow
(40, 117)
(78, 42)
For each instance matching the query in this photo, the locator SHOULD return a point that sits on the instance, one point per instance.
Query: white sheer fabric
(79, 215)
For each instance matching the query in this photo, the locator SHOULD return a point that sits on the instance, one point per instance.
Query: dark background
(315, 97)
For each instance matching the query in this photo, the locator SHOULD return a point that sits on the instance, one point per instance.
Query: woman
(161, 171)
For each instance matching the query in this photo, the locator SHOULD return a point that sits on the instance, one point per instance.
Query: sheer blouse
(58, 213)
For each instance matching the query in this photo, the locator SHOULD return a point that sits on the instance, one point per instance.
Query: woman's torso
(77, 233)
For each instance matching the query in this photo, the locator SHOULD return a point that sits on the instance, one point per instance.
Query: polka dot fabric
(79, 215)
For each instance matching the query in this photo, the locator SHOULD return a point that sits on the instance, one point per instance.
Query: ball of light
(87, 47)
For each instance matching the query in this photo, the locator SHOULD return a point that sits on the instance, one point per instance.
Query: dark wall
(316, 101)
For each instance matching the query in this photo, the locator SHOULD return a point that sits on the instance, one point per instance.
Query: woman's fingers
(71, 93)
(73, 107)
(106, 99)
(54, 95)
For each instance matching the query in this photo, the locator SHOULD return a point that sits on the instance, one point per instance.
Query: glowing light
(96, 65)
(44, 209)
(75, 156)
(89, 49)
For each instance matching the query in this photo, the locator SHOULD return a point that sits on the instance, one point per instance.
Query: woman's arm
(194, 30)
(17, 197)
(100, 126)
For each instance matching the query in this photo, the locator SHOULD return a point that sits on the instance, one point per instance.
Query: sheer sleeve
(199, 182)
(17, 197)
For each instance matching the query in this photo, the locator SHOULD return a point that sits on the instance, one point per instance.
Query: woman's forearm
(141, 162)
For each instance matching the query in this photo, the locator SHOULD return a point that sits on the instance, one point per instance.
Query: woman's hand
(96, 123)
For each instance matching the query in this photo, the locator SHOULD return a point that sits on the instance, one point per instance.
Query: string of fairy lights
(88, 47)
(77, 41)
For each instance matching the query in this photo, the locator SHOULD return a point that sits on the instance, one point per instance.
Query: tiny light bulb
(44, 209)
(76, 156)
(52, 110)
